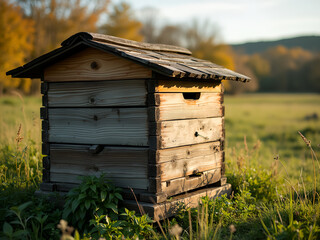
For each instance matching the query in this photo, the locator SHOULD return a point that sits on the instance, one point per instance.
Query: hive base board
(167, 209)
(157, 211)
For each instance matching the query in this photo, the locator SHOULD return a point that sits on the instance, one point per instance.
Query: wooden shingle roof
(170, 61)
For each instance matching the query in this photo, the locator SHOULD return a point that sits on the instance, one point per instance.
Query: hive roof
(168, 60)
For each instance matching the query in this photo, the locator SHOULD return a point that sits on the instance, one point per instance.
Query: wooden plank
(45, 131)
(152, 197)
(185, 132)
(46, 176)
(173, 106)
(185, 152)
(188, 85)
(140, 183)
(94, 65)
(45, 149)
(46, 163)
(62, 188)
(122, 162)
(121, 43)
(44, 87)
(97, 93)
(169, 208)
(44, 100)
(180, 185)
(115, 126)
(44, 113)
(47, 187)
(185, 167)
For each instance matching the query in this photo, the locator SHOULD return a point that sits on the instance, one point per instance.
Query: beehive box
(148, 116)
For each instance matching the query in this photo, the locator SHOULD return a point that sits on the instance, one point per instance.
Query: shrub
(95, 195)
(131, 227)
(260, 183)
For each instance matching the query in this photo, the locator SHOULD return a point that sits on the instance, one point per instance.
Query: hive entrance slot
(195, 174)
(191, 96)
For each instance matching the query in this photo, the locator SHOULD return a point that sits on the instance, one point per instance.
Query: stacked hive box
(150, 117)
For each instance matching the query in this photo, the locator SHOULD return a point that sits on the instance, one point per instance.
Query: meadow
(274, 173)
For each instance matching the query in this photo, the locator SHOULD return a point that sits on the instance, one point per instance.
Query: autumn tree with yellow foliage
(15, 44)
(56, 20)
(122, 23)
(33, 27)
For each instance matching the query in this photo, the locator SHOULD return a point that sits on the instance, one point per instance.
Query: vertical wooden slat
(45, 132)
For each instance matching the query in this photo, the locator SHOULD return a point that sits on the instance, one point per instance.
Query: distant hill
(311, 43)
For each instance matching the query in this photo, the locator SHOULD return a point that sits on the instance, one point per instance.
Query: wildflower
(176, 230)
(232, 228)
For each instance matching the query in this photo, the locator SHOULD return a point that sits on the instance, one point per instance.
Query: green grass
(259, 128)
(270, 123)
(16, 110)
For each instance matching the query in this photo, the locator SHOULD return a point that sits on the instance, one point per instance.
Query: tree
(122, 23)
(55, 20)
(15, 44)
(171, 34)
(285, 65)
(202, 40)
(241, 66)
(258, 65)
(147, 16)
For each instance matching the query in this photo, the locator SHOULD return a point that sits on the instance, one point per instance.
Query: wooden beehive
(149, 116)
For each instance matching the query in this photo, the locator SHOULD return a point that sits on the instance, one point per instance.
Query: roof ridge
(123, 42)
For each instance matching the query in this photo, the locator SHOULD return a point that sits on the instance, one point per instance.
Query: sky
(241, 21)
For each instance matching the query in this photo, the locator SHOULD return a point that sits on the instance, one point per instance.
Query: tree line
(31, 28)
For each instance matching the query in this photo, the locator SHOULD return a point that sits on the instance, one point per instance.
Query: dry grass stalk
(141, 210)
(307, 142)
(19, 137)
(275, 166)
(313, 155)
(240, 162)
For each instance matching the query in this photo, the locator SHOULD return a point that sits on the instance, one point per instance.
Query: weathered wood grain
(45, 149)
(97, 93)
(69, 177)
(124, 43)
(44, 113)
(179, 185)
(185, 152)
(46, 163)
(115, 126)
(92, 64)
(185, 167)
(173, 106)
(176, 133)
(172, 85)
(115, 162)
(44, 87)
(46, 176)
(169, 208)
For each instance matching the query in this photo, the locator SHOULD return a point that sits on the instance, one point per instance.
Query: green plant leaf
(103, 195)
(119, 196)
(112, 206)
(66, 213)
(76, 235)
(93, 187)
(24, 206)
(82, 214)
(82, 196)
(87, 204)
(7, 229)
(75, 204)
